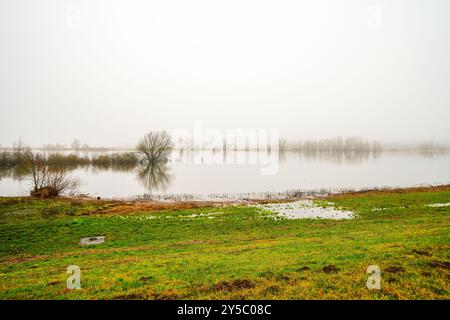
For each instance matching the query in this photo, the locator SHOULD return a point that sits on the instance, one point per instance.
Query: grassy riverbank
(189, 251)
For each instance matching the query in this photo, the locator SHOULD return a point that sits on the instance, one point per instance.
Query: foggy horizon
(107, 72)
(233, 157)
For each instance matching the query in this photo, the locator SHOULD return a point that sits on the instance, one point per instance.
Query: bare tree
(46, 183)
(62, 183)
(155, 148)
(38, 171)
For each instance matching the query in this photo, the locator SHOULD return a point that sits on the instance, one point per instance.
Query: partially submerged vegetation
(154, 148)
(48, 172)
(192, 250)
(107, 160)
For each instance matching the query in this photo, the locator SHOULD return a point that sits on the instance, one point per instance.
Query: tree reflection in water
(155, 177)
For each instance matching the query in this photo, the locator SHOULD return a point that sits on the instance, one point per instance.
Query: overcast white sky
(108, 71)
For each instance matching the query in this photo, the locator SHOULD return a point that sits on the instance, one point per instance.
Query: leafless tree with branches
(155, 148)
(44, 182)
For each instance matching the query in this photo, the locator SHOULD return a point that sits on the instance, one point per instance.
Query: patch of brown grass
(130, 207)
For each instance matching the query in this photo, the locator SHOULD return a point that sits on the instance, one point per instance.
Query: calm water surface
(296, 171)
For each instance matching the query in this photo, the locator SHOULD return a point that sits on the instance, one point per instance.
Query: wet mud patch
(145, 279)
(394, 269)
(304, 268)
(234, 285)
(439, 264)
(330, 269)
(421, 252)
(132, 296)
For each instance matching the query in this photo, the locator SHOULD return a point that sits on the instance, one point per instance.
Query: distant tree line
(430, 146)
(75, 145)
(155, 149)
(349, 144)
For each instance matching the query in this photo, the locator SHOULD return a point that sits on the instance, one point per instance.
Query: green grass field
(226, 252)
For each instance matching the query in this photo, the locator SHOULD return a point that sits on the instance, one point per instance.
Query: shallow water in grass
(296, 171)
(306, 209)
